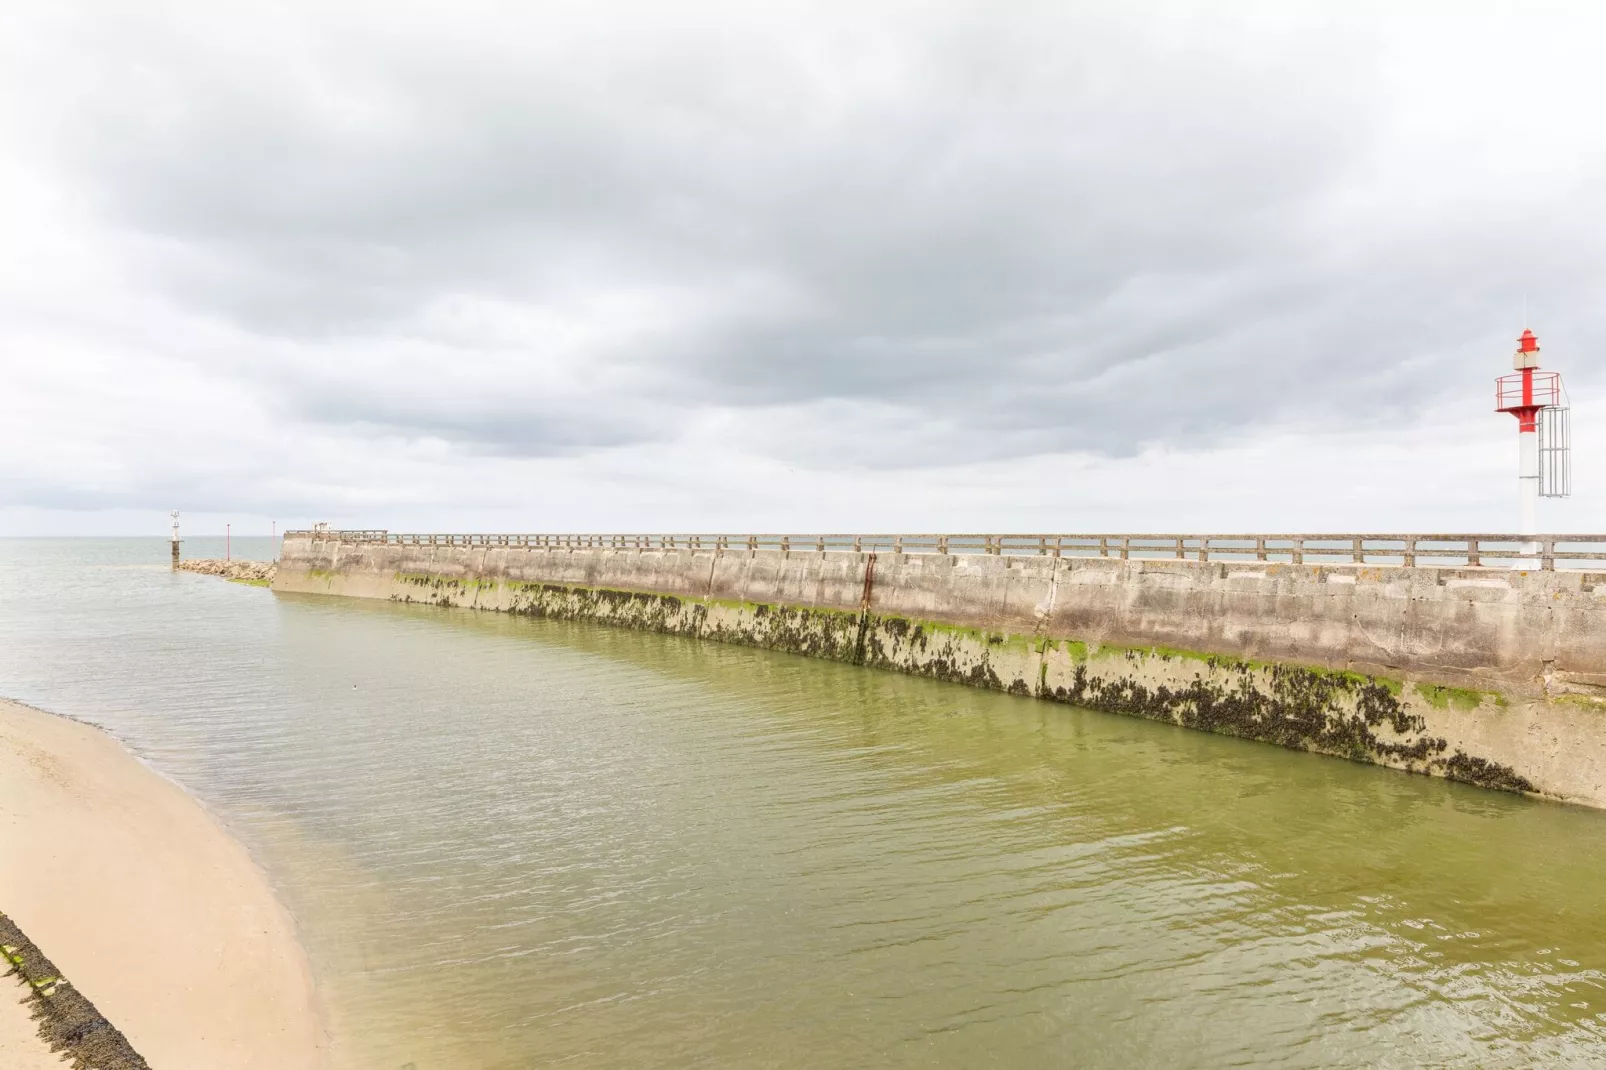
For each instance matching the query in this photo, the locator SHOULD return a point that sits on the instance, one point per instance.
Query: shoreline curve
(148, 905)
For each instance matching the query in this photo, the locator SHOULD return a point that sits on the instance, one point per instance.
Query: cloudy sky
(847, 266)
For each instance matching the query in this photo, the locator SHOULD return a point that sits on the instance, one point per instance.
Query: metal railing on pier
(1546, 552)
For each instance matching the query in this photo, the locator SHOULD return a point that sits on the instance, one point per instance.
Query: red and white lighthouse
(1539, 402)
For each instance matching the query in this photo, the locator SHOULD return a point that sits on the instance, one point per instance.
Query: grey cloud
(1048, 231)
(522, 431)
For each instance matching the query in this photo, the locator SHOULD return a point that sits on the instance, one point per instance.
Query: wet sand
(146, 905)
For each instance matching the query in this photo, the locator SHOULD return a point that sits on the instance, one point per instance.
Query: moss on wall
(1456, 698)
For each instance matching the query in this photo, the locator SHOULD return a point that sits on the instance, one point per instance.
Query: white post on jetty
(1528, 482)
(175, 538)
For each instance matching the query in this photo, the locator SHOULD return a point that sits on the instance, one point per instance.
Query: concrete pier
(1492, 676)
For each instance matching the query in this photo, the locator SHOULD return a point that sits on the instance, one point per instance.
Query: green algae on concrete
(1458, 698)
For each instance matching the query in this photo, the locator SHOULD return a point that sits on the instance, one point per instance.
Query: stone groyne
(68, 1022)
(257, 572)
(1495, 677)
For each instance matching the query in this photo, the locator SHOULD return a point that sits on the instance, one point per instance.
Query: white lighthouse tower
(1539, 402)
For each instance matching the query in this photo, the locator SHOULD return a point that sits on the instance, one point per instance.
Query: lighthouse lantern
(1527, 355)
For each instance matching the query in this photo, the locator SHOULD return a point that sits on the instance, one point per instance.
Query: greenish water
(516, 843)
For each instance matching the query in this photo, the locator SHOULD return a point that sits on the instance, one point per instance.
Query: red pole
(226, 528)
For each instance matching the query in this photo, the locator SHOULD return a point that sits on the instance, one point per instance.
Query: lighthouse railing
(1547, 390)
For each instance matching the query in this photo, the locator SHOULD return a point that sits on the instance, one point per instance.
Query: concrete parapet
(1496, 677)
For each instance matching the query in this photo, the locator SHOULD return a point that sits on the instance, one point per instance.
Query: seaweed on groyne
(68, 1022)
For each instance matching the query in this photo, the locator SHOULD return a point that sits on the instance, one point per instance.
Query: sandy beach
(20, 1046)
(147, 906)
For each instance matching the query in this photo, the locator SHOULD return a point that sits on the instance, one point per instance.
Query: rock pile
(260, 571)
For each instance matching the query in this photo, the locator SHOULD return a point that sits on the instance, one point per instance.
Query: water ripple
(515, 843)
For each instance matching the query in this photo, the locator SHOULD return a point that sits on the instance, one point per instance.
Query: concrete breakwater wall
(1494, 677)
